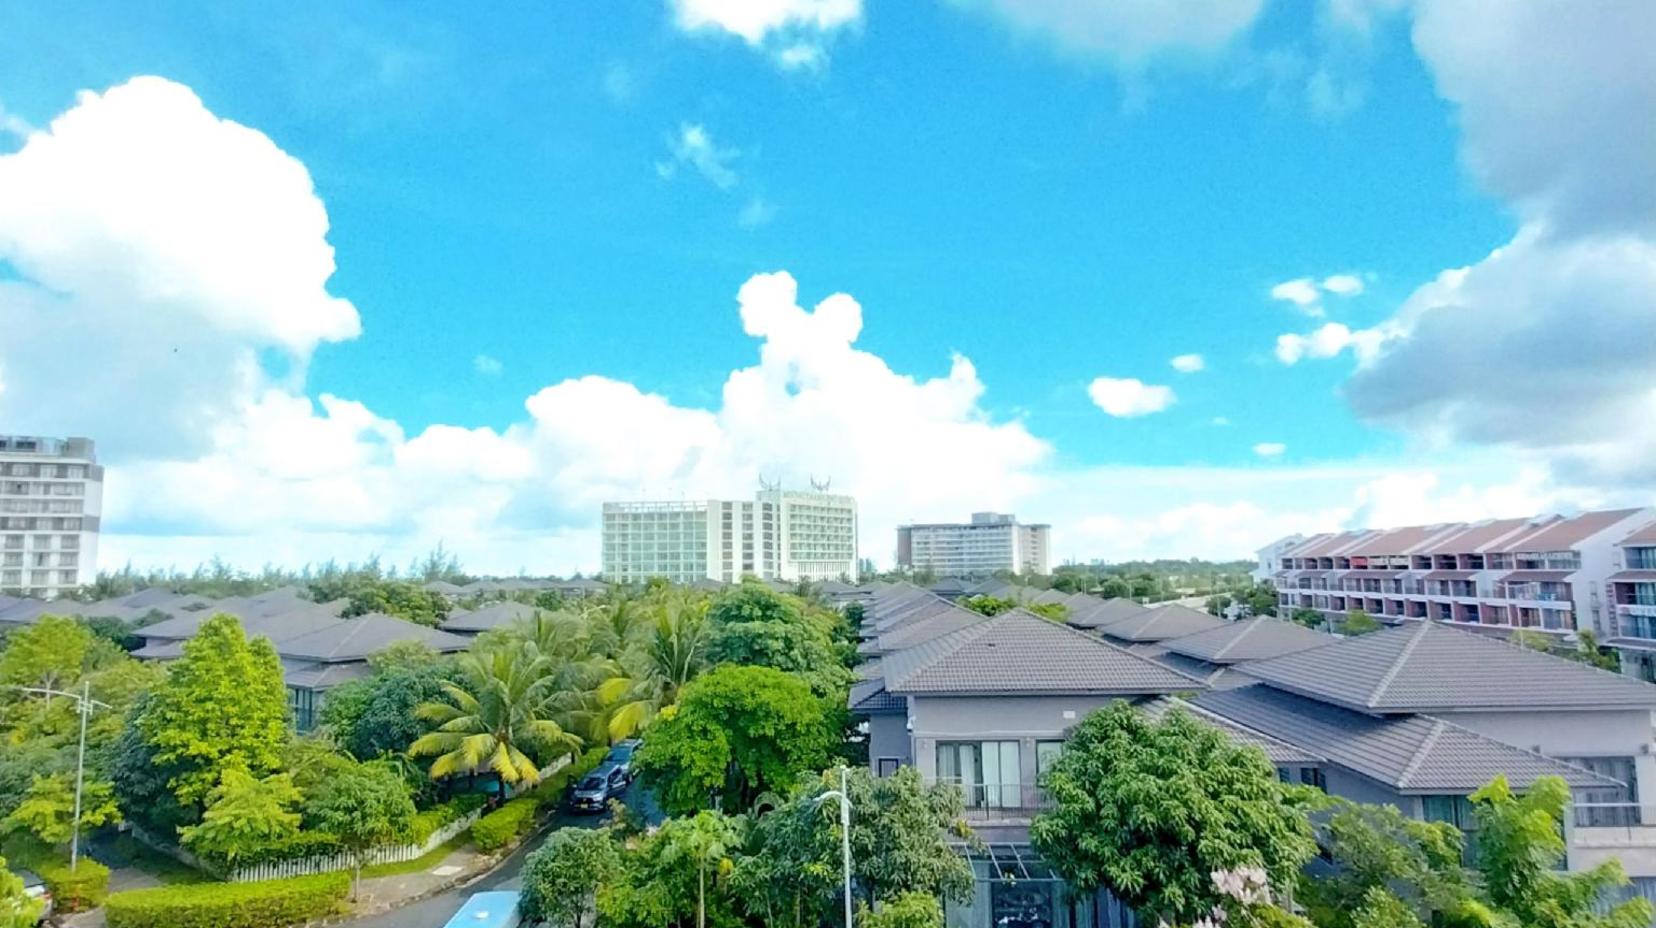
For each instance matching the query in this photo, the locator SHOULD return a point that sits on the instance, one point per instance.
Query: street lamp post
(843, 794)
(83, 704)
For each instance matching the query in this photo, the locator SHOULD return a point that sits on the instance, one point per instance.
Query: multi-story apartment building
(1632, 595)
(992, 541)
(1547, 573)
(778, 535)
(51, 499)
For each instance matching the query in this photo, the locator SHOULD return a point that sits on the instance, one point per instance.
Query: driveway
(436, 911)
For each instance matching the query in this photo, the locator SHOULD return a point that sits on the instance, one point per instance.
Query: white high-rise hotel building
(778, 535)
(992, 541)
(51, 498)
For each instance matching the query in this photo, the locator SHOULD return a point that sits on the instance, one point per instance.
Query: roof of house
(444, 587)
(359, 638)
(949, 586)
(1641, 536)
(1277, 751)
(1160, 623)
(1248, 640)
(1104, 613)
(1411, 753)
(325, 676)
(1019, 653)
(918, 632)
(1426, 666)
(1564, 534)
(482, 619)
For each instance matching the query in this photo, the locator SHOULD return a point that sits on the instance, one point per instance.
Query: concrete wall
(1600, 733)
(1358, 788)
(888, 737)
(1025, 719)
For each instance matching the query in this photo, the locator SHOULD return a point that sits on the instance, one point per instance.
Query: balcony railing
(998, 801)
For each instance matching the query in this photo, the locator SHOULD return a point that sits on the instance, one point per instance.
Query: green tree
(562, 877)
(678, 876)
(984, 604)
(1520, 844)
(404, 599)
(374, 716)
(736, 732)
(752, 601)
(244, 815)
(1358, 622)
(48, 808)
(1150, 809)
(504, 710)
(364, 806)
(650, 673)
(800, 647)
(17, 910)
(1384, 861)
(1310, 618)
(906, 910)
(221, 707)
(50, 653)
(143, 783)
(1052, 612)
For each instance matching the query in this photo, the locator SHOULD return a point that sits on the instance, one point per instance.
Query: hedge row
(269, 904)
(426, 823)
(514, 819)
(78, 891)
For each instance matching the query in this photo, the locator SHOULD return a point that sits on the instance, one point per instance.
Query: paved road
(436, 911)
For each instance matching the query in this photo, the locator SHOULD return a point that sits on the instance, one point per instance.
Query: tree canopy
(562, 878)
(1150, 809)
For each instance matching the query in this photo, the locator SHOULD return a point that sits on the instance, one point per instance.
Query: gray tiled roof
(1412, 753)
(1106, 612)
(357, 639)
(1425, 666)
(325, 676)
(1017, 653)
(494, 615)
(1277, 751)
(1160, 624)
(1248, 640)
(934, 626)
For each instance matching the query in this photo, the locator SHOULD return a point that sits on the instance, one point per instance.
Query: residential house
(315, 663)
(1159, 623)
(1213, 653)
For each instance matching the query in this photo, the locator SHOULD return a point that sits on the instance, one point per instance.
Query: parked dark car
(621, 756)
(597, 788)
(35, 888)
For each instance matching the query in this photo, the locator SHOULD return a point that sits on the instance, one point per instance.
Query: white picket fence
(320, 863)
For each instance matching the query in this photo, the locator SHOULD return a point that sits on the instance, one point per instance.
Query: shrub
(550, 790)
(268, 904)
(500, 827)
(426, 823)
(77, 891)
(905, 910)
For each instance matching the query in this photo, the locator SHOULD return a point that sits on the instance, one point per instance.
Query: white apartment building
(778, 535)
(1548, 573)
(51, 499)
(991, 542)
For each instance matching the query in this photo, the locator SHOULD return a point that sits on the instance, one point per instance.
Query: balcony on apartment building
(1598, 831)
(997, 803)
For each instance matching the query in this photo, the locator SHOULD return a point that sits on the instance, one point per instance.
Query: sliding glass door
(988, 773)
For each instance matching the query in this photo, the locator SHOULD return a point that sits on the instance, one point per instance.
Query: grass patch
(420, 864)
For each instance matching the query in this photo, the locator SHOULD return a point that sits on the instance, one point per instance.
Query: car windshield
(592, 783)
(622, 752)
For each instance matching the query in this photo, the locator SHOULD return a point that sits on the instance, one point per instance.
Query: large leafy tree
(649, 674)
(677, 876)
(1150, 809)
(221, 707)
(736, 732)
(1385, 862)
(562, 877)
(50, 654)
(504, 711)
(752, 601)
(900, 834)
(404, 599)
(1520, 843)
(48, 808)
(364, 806)
(801, 648)
(244, 815)
(375, 715)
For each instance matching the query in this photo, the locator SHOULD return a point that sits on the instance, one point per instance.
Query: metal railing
(992, 801)
(1612, 824)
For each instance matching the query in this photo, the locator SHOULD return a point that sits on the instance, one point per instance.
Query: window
(1456, 810)
(1611, 806)
(988, 772)
(886, 766)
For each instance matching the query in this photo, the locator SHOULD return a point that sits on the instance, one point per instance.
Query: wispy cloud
(487, 366)
(694, 147)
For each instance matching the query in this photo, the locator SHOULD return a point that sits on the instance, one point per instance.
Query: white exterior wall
(51, 508)
(979, 547)
(817, 535)
(776, 536)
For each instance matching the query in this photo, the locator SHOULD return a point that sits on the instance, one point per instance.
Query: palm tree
(614, 625)
(510, 701)
(648, 676)
(707, 838)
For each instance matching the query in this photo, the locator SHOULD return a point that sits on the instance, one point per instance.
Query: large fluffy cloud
(794, 32)
(1547, 346)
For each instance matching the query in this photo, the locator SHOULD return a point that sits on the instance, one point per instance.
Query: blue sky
(551, 191)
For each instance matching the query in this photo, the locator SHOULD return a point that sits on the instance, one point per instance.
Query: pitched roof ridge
(943, 647)
(1397, 665)
(1426, 745)
(1251, 625)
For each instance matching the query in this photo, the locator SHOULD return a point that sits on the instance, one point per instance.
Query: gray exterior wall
(1338, 781)
(888, 737)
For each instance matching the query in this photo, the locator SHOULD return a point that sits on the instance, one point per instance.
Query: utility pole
(84, 705)
(843, 794)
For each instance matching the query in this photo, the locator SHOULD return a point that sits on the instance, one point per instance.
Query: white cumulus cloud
(794, 32)
(1188, 363)
(1328, 341)
(1126, 397)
